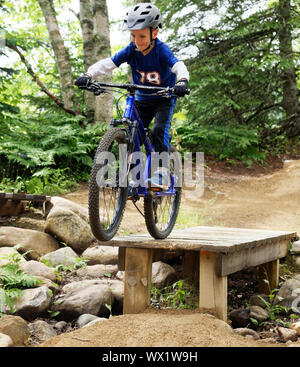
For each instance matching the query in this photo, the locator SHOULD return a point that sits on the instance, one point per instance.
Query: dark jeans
(162, 110)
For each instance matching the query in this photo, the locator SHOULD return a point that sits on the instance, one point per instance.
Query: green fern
(12, 281)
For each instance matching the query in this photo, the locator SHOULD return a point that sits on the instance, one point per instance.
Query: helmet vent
(136, 8)
(145, 12)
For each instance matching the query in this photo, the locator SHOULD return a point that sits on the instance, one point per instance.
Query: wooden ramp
(210, 255)
(13, 204)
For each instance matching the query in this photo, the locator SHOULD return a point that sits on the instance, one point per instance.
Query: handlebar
(98, 87)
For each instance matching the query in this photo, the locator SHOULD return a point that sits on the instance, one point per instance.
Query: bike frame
(138, 135)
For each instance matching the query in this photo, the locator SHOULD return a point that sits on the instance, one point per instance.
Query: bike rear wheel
(107, 200)
(161, 211)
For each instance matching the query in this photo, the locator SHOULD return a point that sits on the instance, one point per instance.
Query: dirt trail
(265, 201)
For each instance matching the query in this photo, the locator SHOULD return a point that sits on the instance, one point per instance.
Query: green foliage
(178, 295)
(13, 280)
(224, 142)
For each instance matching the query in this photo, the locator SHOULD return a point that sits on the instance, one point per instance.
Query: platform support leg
(268, 276)
(138, 279)
(212, 288)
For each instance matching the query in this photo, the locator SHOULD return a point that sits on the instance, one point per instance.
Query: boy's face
(141, 37)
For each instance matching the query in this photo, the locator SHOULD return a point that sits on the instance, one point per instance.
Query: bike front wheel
(107, 198)
(161, 211)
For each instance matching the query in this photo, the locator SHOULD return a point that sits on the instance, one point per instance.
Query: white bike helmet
(141, 16)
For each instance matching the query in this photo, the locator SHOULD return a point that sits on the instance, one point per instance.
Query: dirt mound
(155, 328)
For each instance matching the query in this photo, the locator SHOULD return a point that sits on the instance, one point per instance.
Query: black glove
(180, 87)
(83, 81)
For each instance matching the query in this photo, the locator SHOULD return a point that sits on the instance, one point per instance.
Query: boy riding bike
(152, 64)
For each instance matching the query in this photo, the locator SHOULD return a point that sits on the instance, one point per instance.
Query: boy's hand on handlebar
(181, 87)
(83, 81)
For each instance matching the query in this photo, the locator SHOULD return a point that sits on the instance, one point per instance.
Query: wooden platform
(211, 253)
(13, 204)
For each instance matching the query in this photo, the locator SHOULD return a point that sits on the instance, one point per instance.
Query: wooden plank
(269, 272)
(245, 258)
(204, 241)
(24, 197)
(212, 288)
(138, 279)
(121, 258)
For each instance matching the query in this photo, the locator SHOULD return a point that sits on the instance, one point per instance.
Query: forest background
(243, 57)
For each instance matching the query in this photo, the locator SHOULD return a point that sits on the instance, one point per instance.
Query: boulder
(33, 302)
(5, 341)
(38, 269)
(286, 334)
(258, 313)
(296, 326)
(101, 255)
(41, 331)
(240, 318)
(86, 319)
(16, 328)
(58, 202)
(38, 243)
(295, 248)
(7, 253)
(163, 274)
(245, 332)
(64, 256)
(86, 296)
(289, 292)
(97, 271)
(70, 228)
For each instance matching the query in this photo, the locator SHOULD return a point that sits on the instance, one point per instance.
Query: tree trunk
(60, 52)
(96, 46)
(103, 103)
(290, 101)
(87, 28)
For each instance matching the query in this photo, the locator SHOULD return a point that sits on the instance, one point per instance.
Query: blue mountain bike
(109, 180)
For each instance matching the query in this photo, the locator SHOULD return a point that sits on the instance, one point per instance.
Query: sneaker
(159, 180)
(131, 189)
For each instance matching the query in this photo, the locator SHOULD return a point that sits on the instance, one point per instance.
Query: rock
(297, 260)
(286, 334)
(120, 275)
(101, 255)
(60, 325)
(70, 228)
(246, 331)
(33, 302)
(38, 243)
(295, 248)
(38, 269)
(16, 328)
(64, 256)
(162, 274)
(86, 296)
(97, 271)
(258, 313)
(296, 326)
(288, 292)
(58, 202)
(5, 340)
(117, 290)
(240, 317)
(41, 330)
(257, 300)
(6, 254)
(86, 319)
